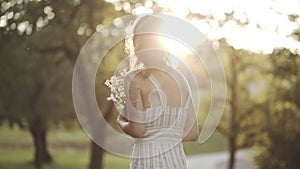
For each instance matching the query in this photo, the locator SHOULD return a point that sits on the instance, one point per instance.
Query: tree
(278, 145)
(56, 29)
(33, 93)
(242, 117)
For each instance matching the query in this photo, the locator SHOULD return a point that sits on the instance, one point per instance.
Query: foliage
(279, 145)
(24, 16)
(242, 115)
(40, 42)
(34, 85)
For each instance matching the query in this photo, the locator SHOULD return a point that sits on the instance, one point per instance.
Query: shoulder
(181, 79)
(131, 74)
(134, 76)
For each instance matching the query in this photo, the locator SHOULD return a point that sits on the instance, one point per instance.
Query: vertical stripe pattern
(162, 147)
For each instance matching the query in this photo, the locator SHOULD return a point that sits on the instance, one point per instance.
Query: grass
(63, 159)
(70, 149)
(214, 144)
(60, 136)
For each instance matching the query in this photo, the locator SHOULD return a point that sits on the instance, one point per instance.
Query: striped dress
(161, 148)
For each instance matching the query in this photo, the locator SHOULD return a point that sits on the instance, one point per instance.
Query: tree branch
(250, 110)
(73, 14)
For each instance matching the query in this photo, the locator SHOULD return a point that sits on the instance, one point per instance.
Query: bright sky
(268, 24)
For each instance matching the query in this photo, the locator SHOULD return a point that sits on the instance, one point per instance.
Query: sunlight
(181, 38)
(183, 31)
(176, 46)
(263, 25)
(176, 49)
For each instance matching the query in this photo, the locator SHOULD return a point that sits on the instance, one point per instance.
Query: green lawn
(215, 143)
(70, 149)
(63, 159)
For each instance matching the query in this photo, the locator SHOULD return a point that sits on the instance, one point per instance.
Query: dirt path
(219, 160)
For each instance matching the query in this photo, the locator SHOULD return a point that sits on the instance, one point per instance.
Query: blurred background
(257, 41)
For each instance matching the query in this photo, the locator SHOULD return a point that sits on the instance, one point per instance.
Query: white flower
(116, 85)
(113, 97)
(107, 83)
(113, 79)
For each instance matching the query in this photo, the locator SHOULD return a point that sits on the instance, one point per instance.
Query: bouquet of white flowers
(116, 86)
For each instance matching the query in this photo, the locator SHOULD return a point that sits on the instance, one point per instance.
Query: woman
(159, 112)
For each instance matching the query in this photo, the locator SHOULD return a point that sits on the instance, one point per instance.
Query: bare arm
(190, 130)
(130, 126)
(136, 130)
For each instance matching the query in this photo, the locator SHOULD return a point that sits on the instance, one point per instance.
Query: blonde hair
(129, 51)
(129, 44)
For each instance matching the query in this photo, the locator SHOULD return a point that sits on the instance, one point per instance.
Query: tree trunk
(96, 156)
(232, 150)
(38, 131)
(233, 107)
(97, 152)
